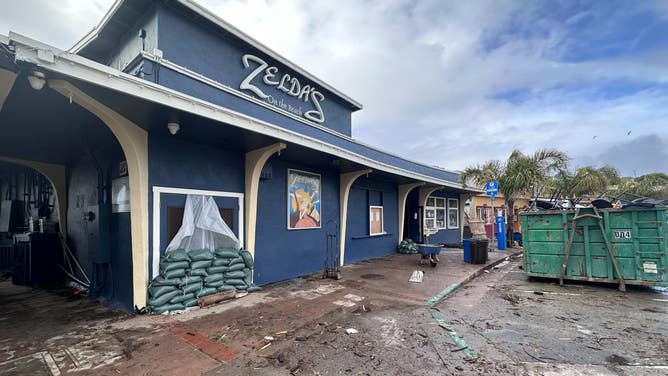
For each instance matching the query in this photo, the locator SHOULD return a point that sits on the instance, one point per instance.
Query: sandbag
(167, 266)
(200, 254)
(232, 268)
(200, 264)
(221, 262)
(213, 278)
(206, 291)
(235, 282)
(176, 255)
(237, 274)
(215, 284)
(226, 287)
(176, 273)
(241, 287)
(162, 281)
(247, 257)
(190, 303)
(248, 278)
(237, 260)
(253, 288)
(193, 287)
(216, 269)
(158, 291)
(198, 272)
(190, 279)
(168, 307)
(182, 298)
(162, 299)
(227, 253)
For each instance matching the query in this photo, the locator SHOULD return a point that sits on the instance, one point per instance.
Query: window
(453, 213)
(376, 220)
(434, 213)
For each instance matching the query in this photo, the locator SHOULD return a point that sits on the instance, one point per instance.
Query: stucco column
(255, 161)
(56, 175)
(346, 181)
(404, 190)
(134, 142)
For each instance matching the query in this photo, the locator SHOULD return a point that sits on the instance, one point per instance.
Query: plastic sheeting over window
(203, 227)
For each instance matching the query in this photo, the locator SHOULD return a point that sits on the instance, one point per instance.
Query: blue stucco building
(165, 99)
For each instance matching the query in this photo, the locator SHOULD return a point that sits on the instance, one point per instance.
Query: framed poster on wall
(303, 200)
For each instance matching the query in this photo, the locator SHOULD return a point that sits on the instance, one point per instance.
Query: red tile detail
(215, 350)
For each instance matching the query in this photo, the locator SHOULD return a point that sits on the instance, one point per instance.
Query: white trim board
(157, 191)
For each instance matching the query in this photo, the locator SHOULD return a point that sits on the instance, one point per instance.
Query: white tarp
(203, 227)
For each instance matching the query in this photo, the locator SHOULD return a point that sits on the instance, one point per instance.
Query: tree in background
(653, 185)
(519, 175)
(585, 181)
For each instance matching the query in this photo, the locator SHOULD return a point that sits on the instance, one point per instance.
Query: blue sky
(452, 83)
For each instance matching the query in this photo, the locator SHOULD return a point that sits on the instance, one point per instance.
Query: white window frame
(447, 212)
(382, 220)
(435, 208)
(183, 191)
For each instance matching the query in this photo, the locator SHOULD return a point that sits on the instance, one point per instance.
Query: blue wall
(449, 235)
(178, 163)
(217, 55)
(280, 253)
(359, 245)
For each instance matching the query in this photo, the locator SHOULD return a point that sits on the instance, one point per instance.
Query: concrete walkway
(205, 339)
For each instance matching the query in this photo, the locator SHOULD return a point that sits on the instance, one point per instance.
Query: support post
(346, 181)
(134, 142)
(255, 160)
(404, 190)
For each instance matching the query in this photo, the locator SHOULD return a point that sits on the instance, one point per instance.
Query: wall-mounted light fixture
(173, 127)
(37, 80)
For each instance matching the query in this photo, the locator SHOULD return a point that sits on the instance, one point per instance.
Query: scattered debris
(502, 264)
(539, 293)
(417, 276)
(512, 298)
(269, 338)
(351, 331)
(216, 298)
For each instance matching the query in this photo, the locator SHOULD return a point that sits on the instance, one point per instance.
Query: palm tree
(586, 181)
(653, 185)
(521, 174)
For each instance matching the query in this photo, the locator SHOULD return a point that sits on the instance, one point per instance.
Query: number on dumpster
(622, 234)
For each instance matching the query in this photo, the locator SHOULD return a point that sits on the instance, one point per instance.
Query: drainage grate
(372, 276)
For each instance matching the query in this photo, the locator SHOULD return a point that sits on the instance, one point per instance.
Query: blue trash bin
(467, 250)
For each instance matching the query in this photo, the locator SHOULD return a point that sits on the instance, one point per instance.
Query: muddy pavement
(513, 325)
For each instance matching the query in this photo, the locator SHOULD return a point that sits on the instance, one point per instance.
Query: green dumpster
(599, 245)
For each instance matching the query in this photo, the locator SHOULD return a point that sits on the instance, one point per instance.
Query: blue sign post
(501, 232)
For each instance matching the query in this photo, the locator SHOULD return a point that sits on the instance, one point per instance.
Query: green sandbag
(215, 284)
(238, 274)
(235, 282)
(253, 288)
(213, 278)
(232, 268)
(193, 287)
(221, 262)
(162, 299)
(216, 269)
(167, 266)
(237, 260)
(247, 257)
(190, 303)
(198, 272)
(176, 255)
(168, 307)
(227, 253)
(200, 264)
(241, 287)
(158, 291)
(190, 279)
(182, 298)
(200, 254)
(226, 288)
(176, 273)
(248, 278)
(207, 291)
(162, 281)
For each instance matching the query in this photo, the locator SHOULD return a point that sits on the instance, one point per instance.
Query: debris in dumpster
(417, 276)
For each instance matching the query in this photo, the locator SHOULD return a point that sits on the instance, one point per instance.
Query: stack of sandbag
(187, 276)
(237, 269)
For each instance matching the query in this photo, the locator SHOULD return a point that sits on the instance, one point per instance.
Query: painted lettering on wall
(286, 84)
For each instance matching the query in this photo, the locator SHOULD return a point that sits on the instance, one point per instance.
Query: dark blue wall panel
(449, 235)
(359, 245)
(280, 253)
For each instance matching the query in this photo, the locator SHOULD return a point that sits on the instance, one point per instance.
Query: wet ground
(372, 322)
